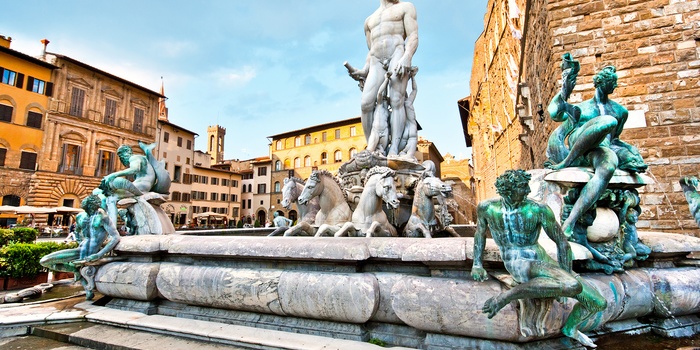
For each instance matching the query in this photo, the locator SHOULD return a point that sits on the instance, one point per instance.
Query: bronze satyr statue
(515, 222)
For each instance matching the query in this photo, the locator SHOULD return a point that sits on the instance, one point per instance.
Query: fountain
(418, 292)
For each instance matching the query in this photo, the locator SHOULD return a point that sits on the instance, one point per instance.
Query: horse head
(433, 186)
(312, 188)
(385, 188)
(290, 194)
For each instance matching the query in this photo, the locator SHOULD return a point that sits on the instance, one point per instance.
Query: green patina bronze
(94, 229)
(515, 223)
(589, 136)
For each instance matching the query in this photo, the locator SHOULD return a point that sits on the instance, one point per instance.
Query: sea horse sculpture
(307, 212)
(369, 219)
(334, 209)
(423, 221)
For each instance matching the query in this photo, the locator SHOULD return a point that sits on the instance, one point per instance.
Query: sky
(257, 68)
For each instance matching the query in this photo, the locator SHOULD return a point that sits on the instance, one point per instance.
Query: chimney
(43, 53)
(5, 41)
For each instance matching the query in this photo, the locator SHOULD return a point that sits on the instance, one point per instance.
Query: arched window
(287, 164)
(297, 141)
(278, 188)
(278, 165)
(297, 162)
(278, 145)
(307, 139)
(353, 152)
(324, 158)
(211, 143)
(307, 161)
(11, 200)
(338, 156)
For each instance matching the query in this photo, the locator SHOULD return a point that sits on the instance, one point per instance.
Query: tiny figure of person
(281, 223)
(71, 233)
(515, 223)
(95, 229)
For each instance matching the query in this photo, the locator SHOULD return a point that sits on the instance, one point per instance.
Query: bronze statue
(592, 129)
(95, 229)
(515, 223)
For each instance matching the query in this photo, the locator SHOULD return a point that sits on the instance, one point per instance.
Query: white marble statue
(392, 39)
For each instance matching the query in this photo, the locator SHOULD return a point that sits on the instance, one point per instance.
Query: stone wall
(493, 126)
(655, 46)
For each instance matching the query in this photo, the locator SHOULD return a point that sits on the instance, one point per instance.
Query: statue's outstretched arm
(559, 109)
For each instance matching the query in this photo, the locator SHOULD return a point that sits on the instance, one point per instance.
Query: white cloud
(237, 77)
(175, 48)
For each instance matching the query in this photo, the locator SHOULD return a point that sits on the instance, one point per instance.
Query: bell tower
(215, 143)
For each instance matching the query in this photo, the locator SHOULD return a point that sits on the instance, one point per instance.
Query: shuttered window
(3, 153)
(71, 159)
(138, 120)
(77, 101)
(106, 163)
(34, 119)
(36, 85)
(6, 113)
(28, 160)
(110, 111)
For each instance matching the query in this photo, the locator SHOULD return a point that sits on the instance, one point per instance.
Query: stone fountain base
(406, 292)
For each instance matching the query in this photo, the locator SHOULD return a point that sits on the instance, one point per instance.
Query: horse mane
(384, 171)
(327, 173)
(296, 180)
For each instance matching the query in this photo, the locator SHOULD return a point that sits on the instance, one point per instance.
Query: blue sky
(257, 68)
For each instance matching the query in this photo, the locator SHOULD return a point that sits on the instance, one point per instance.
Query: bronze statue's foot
(581, 338)
(557, 166)
(493, 306)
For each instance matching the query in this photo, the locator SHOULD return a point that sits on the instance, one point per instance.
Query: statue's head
(606, 79)
(91, 204)
(513, 185)
(124, 152)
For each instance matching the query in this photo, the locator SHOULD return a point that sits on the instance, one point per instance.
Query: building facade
(176, 147)
(298, 152)
(459, 174)
(25, 89)
(654, 46)
(215, 193)
(262, 175)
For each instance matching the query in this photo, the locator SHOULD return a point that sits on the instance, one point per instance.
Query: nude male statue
(392, 39)
(515, 222)
(95, 228)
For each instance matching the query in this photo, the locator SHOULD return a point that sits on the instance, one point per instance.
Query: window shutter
(63, 159)
(78, 167)
(20, 80)
(30, 83)
(3, 153)
(49, 89)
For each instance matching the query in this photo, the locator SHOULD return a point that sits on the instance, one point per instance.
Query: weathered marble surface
(128, 280)
(581, 175)
(417, 284)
